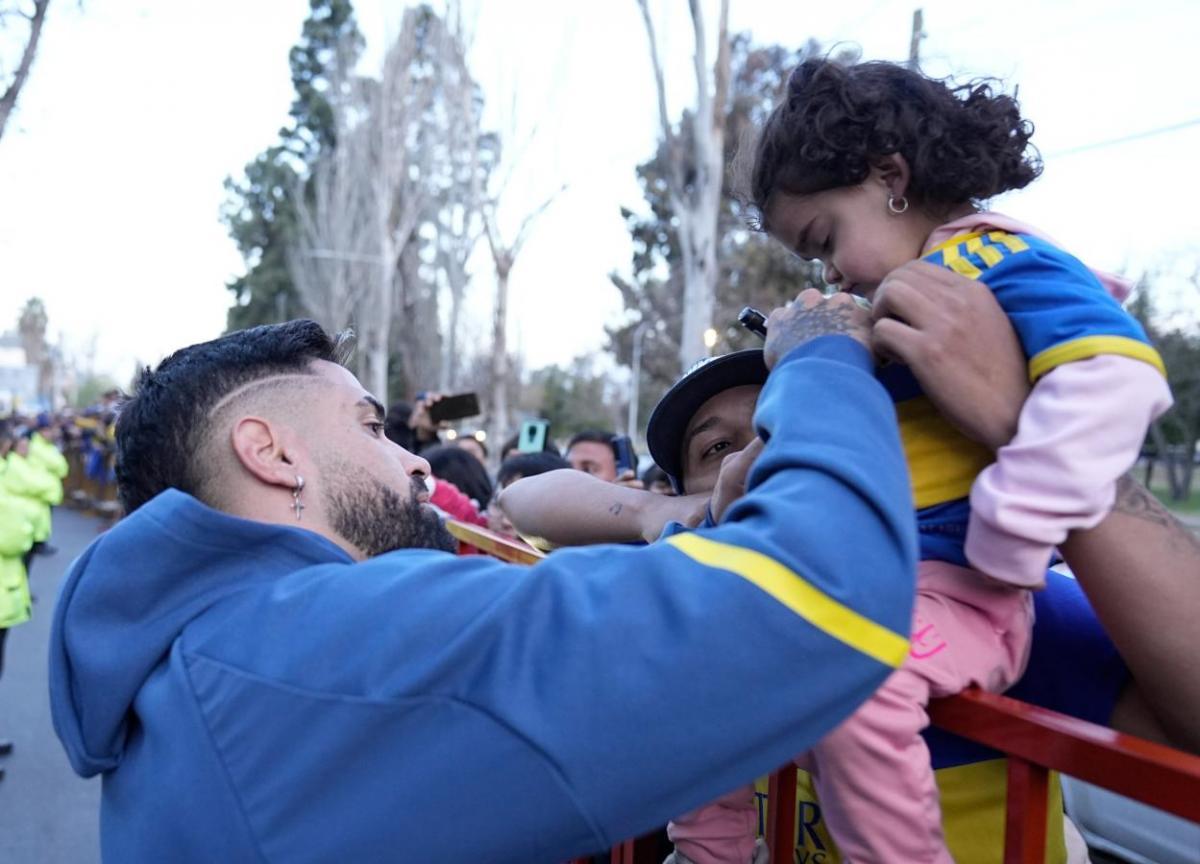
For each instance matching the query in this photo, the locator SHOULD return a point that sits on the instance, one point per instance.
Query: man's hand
(959, 343)
(629, 479)
(731, 482)
(810, 316)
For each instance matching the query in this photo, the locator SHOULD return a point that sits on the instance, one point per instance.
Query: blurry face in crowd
(22, 446)
(594, 458)
(723, 425)
(497, 519)
(473, 447)
(661, 487)
(372, 491)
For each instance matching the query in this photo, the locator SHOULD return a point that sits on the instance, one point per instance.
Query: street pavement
(48, 815)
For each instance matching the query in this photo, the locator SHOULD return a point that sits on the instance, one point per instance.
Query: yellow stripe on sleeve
(991, 255)
(954, 260)
(1012, 241)
(806, 600)
(1093, 346)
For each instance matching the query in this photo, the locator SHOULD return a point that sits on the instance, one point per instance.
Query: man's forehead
(590, 448)
(345, 387)
(734, 406)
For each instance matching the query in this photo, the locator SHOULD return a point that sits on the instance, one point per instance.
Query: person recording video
(605, 456)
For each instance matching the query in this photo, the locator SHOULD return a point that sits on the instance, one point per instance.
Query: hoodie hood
(130, 595)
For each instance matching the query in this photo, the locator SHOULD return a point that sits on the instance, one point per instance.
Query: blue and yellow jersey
(1061, 313)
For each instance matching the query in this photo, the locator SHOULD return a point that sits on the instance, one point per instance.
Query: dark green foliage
(1174, 436)
(258, 211)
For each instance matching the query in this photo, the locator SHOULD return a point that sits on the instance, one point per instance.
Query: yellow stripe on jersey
(1093, 346)
(953, 241)
(991, 255)
(942, 462)
(952, 258)
(1012, 241)
(972, 799)
(806, 600)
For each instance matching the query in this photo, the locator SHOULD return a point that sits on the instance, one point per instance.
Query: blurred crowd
(466, 477)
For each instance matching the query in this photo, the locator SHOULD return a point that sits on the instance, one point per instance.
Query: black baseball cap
(673, 413)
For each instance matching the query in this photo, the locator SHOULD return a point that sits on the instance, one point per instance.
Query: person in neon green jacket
(16, 539)
(44, 453)
(28, 479)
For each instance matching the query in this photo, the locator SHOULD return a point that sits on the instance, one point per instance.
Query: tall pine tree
(259, 212)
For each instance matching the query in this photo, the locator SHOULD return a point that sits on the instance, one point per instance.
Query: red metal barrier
(1035, 740)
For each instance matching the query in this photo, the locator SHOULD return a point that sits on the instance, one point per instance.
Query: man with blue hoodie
(273, 657)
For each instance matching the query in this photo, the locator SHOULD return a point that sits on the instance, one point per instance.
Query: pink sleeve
(1080, 430)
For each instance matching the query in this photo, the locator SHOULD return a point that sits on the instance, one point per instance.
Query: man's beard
(376, 518)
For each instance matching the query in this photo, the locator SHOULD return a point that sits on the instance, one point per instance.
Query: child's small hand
(810, 316)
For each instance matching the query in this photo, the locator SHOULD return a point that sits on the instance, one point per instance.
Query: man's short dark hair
(162, 427)
(462, 469)
(594, 436)
(528, 465)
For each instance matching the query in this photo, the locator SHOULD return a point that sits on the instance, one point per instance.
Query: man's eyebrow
(372, 402)
(703, 427)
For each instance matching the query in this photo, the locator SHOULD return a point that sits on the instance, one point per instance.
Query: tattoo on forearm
(821, 321)
(1133, 499)
(615, 509)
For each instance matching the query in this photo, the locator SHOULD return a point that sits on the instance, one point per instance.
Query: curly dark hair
(963, 143)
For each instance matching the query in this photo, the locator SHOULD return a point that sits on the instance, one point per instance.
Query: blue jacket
(251, 694)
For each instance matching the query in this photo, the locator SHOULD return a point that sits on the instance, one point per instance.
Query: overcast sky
(111, 172)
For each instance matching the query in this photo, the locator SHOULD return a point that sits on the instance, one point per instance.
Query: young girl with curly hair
(867, 167)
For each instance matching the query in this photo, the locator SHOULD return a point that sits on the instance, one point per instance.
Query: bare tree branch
(8, 101)
(529, 219)
(675, 175)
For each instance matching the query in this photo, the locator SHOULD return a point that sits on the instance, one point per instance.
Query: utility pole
(914, 46)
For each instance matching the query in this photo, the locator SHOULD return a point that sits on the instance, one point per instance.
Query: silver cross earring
(297, 504)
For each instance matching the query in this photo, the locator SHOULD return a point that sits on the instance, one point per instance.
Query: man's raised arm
(520, 714)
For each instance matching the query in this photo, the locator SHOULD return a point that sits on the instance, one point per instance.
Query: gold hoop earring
(297, 504)
(896, 206)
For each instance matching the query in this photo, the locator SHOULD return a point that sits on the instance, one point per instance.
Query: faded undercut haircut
(163, 428)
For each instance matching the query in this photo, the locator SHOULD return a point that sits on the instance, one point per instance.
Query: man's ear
(260, 447)
(893, 172)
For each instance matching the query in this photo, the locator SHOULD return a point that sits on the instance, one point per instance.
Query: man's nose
(413, 464)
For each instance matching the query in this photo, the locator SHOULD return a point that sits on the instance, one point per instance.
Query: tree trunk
(498, 427)
(457, 283)
(1169, 458)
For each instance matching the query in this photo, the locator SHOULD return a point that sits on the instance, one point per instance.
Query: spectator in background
(409, 424)
(655, 479)
(512, 448)
(591, 451)
(17, 518)
(458, 466)
(474, 446)
(513, 469)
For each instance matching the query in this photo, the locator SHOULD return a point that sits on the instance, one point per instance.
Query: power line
(1137, 136)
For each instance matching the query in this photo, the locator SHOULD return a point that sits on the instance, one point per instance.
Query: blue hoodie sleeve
(535, 713)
